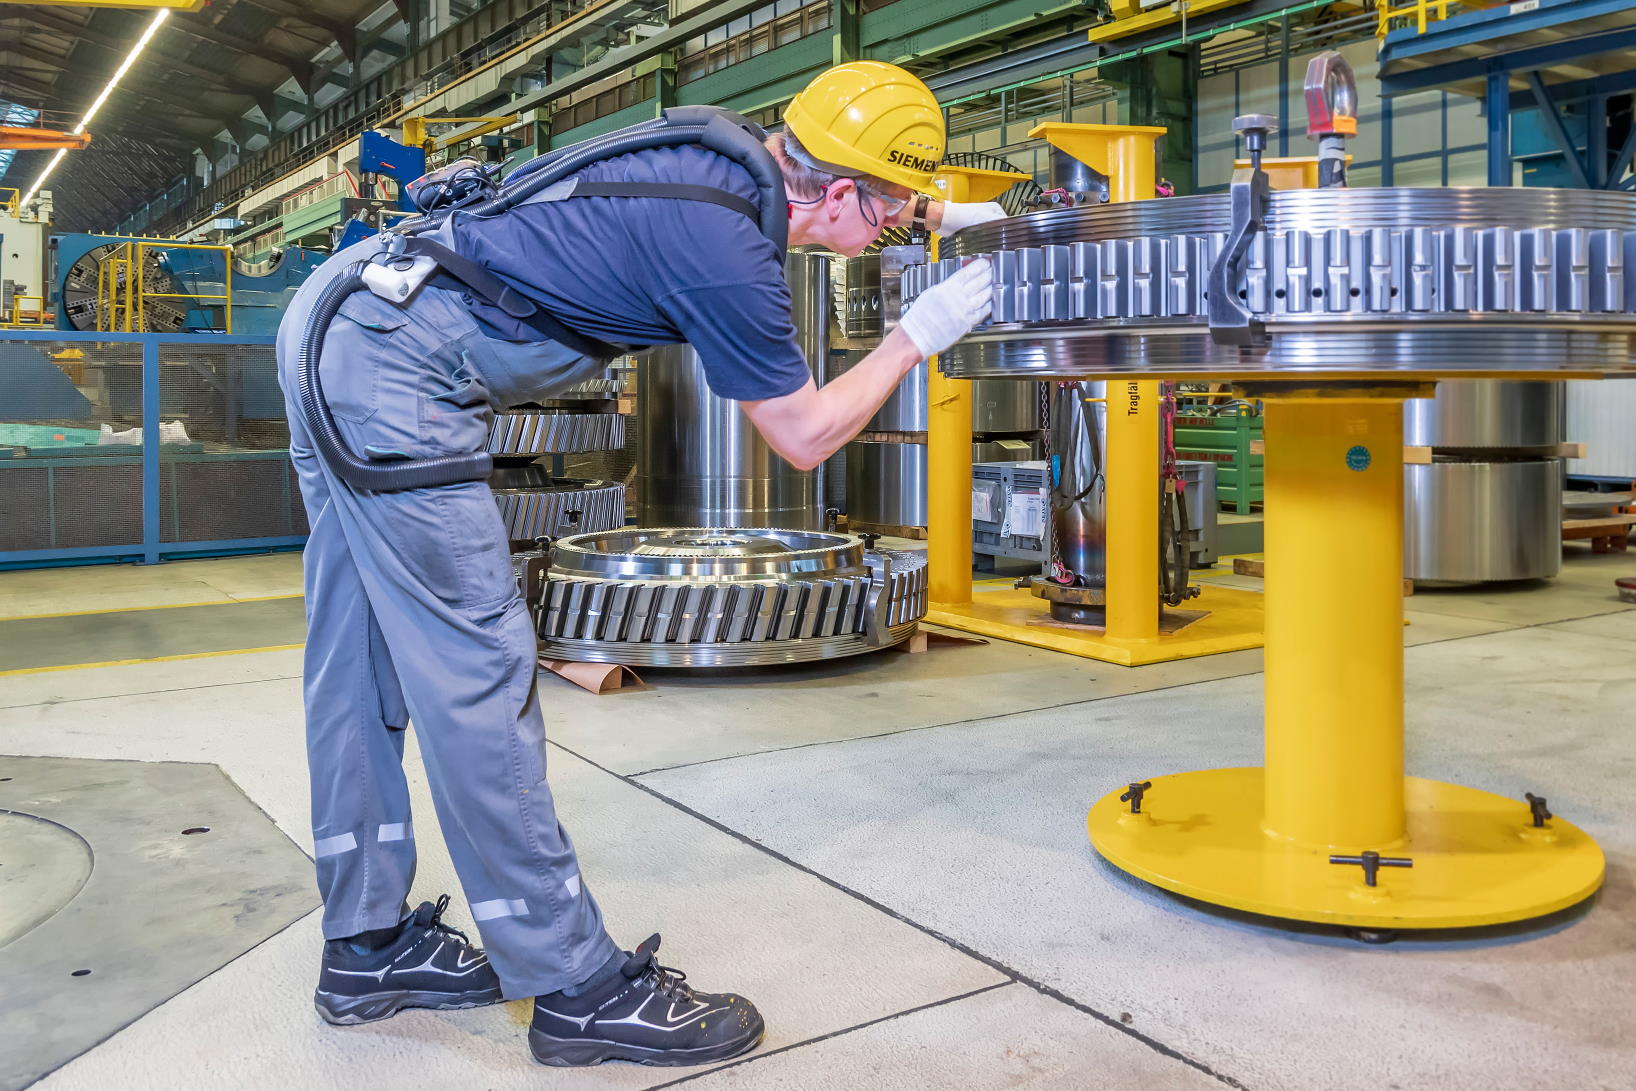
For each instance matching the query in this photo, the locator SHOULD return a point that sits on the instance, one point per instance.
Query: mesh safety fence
(64, 481)
(225, 473)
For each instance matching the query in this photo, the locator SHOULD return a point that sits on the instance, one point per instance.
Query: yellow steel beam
(1133, 510)
(1133, 16)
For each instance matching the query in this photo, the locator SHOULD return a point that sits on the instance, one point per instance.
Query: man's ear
(841, 191)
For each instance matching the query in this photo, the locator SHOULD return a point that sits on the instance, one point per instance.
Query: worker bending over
(393, 364)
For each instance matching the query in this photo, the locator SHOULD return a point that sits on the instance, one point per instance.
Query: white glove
(957, 215)
(946, 312)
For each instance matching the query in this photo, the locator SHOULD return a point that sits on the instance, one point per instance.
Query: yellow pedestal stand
(1262, 840)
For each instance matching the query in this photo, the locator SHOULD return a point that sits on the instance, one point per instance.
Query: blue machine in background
(178, 281)
(380, 155)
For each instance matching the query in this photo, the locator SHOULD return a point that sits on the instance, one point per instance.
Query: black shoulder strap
(675, 190)
(497, 292)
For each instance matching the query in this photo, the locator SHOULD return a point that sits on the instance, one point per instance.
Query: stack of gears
(534, 503)
(709, 597)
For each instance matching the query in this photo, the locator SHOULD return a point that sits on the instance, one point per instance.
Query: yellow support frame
(14, 318)
(1137, 631)
(1130, 17)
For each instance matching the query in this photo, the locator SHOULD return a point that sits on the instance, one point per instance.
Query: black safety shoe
(429, 965)
(648, 1015)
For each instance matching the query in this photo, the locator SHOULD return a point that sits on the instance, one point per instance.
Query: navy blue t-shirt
(654, 271)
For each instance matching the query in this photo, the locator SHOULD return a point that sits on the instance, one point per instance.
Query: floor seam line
(834, 1034)
(1508, 628)
(147, 692)
(933, 727)
(880, 907)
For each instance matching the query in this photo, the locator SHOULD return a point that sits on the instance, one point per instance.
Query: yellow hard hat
(869, 117)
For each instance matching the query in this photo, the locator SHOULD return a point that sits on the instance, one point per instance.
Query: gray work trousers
(413, 615)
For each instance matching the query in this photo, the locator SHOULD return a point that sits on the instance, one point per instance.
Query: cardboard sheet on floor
(597, 678)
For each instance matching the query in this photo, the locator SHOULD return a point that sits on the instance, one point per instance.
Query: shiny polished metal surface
(1079, 488)
(1471, 522)
(1472, 413)
(886, 484)
(533, 504)
(863, 297)
(723, 596)
(535, 432)
(886, 481)
(1345, 281)
(701, 461)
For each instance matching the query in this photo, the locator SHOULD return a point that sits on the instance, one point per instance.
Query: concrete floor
(888, 855)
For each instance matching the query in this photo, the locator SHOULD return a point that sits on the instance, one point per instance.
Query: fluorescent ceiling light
(159, 18)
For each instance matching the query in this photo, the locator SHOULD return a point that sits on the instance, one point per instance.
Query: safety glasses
(890, 206)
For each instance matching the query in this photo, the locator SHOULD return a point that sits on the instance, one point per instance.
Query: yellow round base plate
(1478, 859)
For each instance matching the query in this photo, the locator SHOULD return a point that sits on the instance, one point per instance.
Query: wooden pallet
(1606, 533)
(1251, 566)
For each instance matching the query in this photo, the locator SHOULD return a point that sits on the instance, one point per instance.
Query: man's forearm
(850, 400)
(813, 423)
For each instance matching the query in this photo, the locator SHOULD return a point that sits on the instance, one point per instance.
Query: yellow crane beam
(21, 138)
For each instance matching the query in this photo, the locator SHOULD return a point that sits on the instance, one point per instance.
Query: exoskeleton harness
(410, 259)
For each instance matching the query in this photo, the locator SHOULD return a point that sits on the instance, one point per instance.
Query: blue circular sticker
(1357, 458)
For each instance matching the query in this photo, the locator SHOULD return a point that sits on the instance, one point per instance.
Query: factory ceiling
(203, 73)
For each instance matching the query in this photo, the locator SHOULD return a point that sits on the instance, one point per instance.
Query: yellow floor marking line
(161, 606)
(156, 659)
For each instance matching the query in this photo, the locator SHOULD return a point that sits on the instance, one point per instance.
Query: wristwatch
(922, 204)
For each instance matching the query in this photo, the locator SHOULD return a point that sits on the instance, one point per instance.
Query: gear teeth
(554, 432)
(530, 513)
(763, 620)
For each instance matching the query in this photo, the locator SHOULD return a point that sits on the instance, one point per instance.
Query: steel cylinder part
(702, 463)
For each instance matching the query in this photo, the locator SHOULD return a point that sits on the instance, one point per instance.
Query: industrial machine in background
(24, 234)
(129, 284)
(536, 498)
(1486, 504)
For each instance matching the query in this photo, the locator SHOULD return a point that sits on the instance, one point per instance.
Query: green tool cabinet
(1227, 441)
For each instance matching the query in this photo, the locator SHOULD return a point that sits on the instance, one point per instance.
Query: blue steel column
(1387, 162)
(1499, 128)
(150, 451)
(1284, 121)
(1596, 150)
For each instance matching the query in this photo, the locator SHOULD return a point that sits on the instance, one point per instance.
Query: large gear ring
(706, 597)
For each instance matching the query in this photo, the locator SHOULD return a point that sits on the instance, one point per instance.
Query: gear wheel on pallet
(534, 504)
(708, 597)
